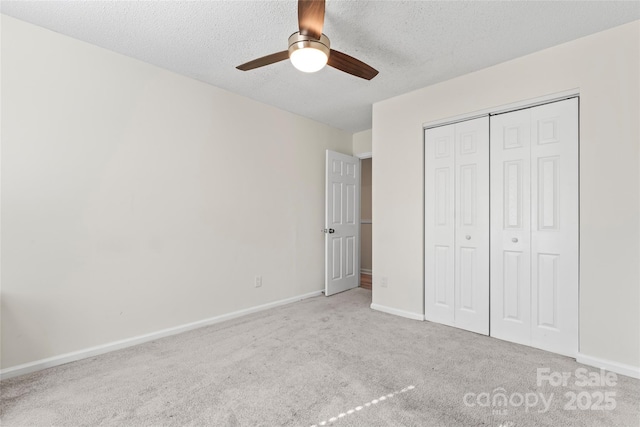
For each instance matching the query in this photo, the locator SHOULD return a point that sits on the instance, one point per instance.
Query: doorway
(366, 224)
(348, 229)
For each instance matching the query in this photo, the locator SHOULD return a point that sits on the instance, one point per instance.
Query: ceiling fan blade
(265, 60)
(311, 17)
(351, 65)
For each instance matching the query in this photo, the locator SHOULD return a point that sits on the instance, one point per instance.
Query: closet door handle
(467, 237)
(514, 240)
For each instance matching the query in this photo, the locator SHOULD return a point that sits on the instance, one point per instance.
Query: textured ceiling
(412, 43)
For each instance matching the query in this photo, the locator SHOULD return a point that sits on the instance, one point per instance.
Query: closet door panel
(554, 234)
(472, 225)
(439, 188)
(510, 227)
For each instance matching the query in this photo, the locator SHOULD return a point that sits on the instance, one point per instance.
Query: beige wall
(135, 199)
(605, 69)
(365, 214)
(362, 142)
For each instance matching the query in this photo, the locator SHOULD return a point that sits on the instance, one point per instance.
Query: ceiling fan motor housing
(298, 41)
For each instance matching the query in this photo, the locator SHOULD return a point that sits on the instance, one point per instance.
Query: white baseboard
(50, 362)
(366, 271)
(609, 365)
(395, 311)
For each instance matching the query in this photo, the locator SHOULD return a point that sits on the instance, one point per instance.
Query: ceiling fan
(309, 49)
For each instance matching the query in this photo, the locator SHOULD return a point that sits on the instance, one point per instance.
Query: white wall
(605, 67)
(362, 142)
(135, 199)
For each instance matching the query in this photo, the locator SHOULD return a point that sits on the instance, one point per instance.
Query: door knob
(468, 237)
(328, 230)
(331, 231)
(514, 240)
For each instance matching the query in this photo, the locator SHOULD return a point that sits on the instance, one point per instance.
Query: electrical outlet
(384, 281)
(258, 281)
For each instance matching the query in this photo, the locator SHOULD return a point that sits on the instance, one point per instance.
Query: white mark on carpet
(361, 407)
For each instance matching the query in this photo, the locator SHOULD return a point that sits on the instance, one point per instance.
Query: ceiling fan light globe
(308, 54)
(309, 59)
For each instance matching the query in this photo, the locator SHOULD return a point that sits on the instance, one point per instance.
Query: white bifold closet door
(457, 225)
(534, 226)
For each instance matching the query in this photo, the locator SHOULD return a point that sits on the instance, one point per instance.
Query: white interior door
(511, 227)
(472, 226)
(554, 227)
(457, 225)
(439, 217)
(534, 237)
(342, 222)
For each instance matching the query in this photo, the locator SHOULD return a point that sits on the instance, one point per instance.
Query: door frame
(499, 109)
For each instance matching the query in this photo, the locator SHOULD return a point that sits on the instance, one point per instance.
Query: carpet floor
(322, 361)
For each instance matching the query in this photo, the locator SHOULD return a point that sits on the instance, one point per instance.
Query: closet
(501, 225)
